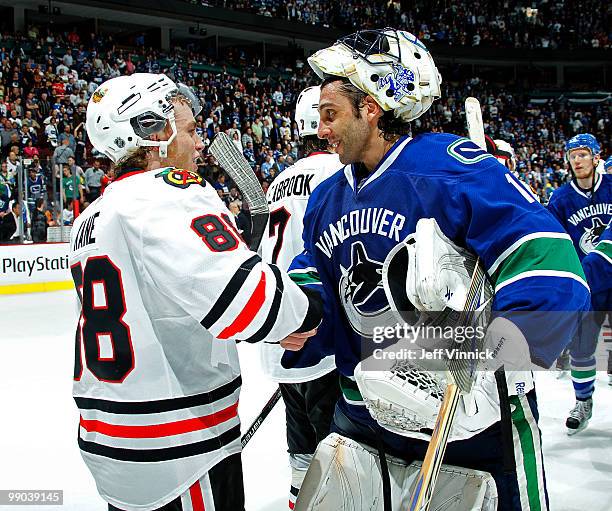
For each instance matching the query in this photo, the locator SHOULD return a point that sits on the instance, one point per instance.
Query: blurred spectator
(5, 197)
(68, 214)
(51, 131)
(10, 226)
(68, 186)
(39, 222)
(93, 178)
(62, 153)
(221, 186)
(35, 187)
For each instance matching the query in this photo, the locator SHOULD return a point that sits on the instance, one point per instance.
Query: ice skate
(579, 416)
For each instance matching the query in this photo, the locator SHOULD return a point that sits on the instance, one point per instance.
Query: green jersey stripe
(604, 248)
(543, 273)
(302, 279)
(540, 255)
(525, 239)
(528, 448)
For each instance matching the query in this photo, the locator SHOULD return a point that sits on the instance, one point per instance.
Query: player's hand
(296, 341)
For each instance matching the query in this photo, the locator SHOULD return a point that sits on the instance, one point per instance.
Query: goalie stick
(424, 485)
(236, 165)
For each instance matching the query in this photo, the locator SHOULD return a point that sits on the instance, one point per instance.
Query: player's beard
(353, 141)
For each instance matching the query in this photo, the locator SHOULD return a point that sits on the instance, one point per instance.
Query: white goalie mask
(392, 66)
(307, 111)
(124, 112)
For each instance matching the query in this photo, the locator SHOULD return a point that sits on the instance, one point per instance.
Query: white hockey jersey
(166, 284)
(287, 198)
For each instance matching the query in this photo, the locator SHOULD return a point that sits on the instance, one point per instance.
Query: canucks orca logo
(590, 238)
(400, 81)
(361, 292)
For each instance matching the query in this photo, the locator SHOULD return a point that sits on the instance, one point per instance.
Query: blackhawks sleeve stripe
(539, 257)
(604, 249)
(270, 321)
(249, 311)
(230, 292)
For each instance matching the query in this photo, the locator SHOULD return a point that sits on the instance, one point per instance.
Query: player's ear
(373, 111)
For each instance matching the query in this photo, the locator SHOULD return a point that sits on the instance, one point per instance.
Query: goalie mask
(124, 112)
(392, 66)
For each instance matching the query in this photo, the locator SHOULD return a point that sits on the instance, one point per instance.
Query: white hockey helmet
(392, 66)
(125, 111)
(505, 154)
(307, 111)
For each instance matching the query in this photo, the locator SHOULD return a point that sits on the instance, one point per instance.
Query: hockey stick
(473, 115)
(261, 417)
(425, 483)
(236, 165)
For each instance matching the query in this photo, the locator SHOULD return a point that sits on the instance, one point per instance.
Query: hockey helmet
(392, 66)
(125, 111)
(608, 165)
(505, 154)
(582, 141)
(306, 111)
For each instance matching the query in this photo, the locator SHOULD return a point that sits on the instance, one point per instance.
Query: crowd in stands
(554, 24)
(47, 80)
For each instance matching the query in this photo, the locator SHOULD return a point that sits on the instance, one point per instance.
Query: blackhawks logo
(98, 95)
(180, 178)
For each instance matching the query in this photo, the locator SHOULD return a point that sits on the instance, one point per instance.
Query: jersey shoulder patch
(467, 152)
(180, 178)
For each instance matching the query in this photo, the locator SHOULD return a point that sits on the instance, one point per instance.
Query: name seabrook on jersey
(295, 185)
(383, 222)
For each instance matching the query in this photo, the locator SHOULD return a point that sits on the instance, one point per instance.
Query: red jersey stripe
(161, 430)
(249, 312)
(197, 500)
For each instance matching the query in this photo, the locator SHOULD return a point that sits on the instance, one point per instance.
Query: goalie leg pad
(345, 475)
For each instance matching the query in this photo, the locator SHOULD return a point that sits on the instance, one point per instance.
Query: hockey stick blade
(236, 165)
(473, 115)
(265, 411)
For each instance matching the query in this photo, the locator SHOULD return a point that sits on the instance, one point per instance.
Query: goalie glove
(406, 400)
(427, 271)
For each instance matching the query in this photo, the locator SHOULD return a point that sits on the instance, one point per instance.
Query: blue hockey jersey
(350, 227)
(583, 217)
